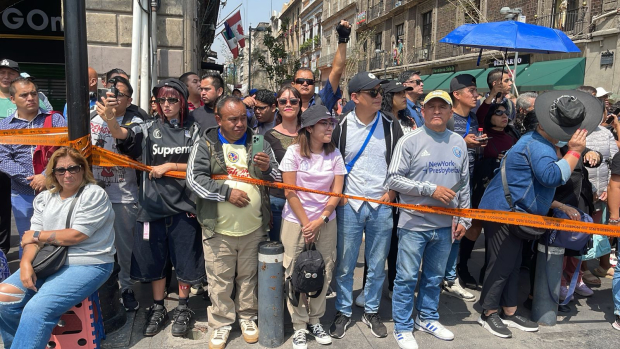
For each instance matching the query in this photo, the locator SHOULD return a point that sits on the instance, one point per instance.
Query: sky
(252, 12)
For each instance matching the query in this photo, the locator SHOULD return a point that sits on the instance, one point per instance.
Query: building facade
(310, 33)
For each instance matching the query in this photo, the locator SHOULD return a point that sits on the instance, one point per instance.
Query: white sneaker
(219, 337)
(249, 331)
(433, 327)
(405, 340)
(197, 289)
(360, 301)
(454, 289)
(583, 290)
(299, 339)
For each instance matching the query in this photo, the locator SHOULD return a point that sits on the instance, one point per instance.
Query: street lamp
(511, 13)
(378, 51)
(258, 29)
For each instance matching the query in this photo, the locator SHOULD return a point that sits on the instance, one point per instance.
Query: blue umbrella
(511, 36)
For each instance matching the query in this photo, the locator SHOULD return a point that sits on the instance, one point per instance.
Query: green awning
(435, 80)
(424, 77)
(482, 79)
(563, 74)
(446, 84)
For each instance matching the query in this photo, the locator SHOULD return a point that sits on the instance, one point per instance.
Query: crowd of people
(552, 154)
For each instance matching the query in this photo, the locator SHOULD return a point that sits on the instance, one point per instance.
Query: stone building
(310, 33)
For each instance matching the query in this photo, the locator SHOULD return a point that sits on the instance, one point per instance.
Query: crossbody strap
(350, 165)
(505, 185)
(75, 199)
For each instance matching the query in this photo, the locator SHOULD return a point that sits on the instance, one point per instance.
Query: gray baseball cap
(315, 114)
(364, 81)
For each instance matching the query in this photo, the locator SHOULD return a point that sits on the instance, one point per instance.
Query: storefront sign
(523, 59)
(446, 69)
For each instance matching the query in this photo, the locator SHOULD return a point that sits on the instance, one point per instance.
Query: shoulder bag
(51, 258)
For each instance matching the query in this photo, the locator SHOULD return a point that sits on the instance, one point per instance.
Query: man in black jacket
(366, 138)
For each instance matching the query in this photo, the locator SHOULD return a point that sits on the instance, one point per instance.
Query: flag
(234, 23)
(231, 40)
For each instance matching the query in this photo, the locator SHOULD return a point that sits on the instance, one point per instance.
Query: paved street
(587, 326)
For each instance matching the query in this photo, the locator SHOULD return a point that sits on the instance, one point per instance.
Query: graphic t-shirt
(318, 173)
(120, 182)
(233, 220)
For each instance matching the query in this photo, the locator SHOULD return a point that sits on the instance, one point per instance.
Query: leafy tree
(279, 64)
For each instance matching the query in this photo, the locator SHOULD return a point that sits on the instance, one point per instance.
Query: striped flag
(231, 40)
(234, 23)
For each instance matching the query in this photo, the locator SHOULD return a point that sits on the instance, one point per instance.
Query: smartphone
(101, 92)
(257, 144)
(459, 185)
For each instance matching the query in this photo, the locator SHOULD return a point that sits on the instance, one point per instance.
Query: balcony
(376, 63)
(572, 22)
(375, 11)
(362, 65)
(392, 4)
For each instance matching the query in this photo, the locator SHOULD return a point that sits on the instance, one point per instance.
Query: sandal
(600, 272)
(590, 279)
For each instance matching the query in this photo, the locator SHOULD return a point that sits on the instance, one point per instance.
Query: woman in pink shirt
(313, 161)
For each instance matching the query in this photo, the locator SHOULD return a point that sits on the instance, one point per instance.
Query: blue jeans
(22, 211)
(28, 322)
(451, 265)
(377, 224)
(434, 246)
(615, 284)
(277, 205)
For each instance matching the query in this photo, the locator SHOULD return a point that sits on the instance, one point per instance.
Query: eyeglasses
(418, 82)
(327, 123)
(499, 112)
(301, 81)
(373, 93)
(72, 169)
(261, 109)
(32, 94)
(170, 100)
(292, 101)
(120, 94)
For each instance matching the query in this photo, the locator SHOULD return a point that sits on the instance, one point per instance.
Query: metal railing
(572, 22)
(392, 4)
(375, 11)
(362, 65)
(376, 63)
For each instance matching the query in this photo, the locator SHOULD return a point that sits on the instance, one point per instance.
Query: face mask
(561, 144)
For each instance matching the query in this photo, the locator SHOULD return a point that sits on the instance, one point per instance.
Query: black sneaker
(128, 300)
(519, 322)
(373, 320)
(156, 319)
(339, 326)
(466, 278)
(493, 323)
(181, 317)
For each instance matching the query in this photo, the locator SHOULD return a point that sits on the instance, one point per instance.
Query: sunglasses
(292, 101)
(72, 169)
(417, 82)
(499, 112)
(170, 100)
(301, 81)
(373, 93)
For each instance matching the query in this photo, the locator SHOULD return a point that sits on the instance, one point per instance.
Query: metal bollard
(544, 308)
(270, 294)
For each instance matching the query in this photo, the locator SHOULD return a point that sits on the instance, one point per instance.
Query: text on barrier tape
(504, 217)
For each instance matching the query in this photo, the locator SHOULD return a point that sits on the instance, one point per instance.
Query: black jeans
(503, 259)
(5, 213)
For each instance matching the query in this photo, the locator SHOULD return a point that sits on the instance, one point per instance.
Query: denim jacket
(533, 172)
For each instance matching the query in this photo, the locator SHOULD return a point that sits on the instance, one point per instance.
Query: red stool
(80, 327)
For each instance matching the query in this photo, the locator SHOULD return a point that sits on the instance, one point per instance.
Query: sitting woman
(30, 307)
(311, 162)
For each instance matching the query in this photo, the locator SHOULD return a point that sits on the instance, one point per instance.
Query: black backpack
(308, 275)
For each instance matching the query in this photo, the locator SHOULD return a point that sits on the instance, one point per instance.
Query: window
(400, 32)
(427, 28)
(378, 41)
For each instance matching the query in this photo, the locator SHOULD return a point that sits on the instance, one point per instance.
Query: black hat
(461, 81)
(315, 114)
(7, 63)
(561, 113)
(364, 81)
(175, 84)
(395, 87)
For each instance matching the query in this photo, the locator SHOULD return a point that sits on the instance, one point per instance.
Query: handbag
(600, 247)
(520, 231)
(51, 258)
(571, 240)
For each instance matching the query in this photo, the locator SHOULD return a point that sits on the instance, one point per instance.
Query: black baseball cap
(7, 63)
(395, 87)
(461, 81)
(364, 81)
(315, 114)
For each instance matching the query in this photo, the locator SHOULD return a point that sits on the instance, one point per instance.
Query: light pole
(377, 51)
(511, 13)
(258, 29)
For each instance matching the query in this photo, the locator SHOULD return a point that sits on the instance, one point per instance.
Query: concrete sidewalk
(587, 326)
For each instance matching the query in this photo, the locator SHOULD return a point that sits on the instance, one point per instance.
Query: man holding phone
(427, 163)
(231, 244)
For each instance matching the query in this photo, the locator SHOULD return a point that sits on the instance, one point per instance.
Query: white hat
(600, 92)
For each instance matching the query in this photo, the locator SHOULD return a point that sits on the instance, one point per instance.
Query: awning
(435, 80)
(483, 87)
(446, 84)
(563, 74)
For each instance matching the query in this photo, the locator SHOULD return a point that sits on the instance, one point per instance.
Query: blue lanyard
(240, 141)
(350, 165)
(468, 125)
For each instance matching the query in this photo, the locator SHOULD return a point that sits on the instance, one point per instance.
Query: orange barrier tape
(106, 158)
(505, 217)
(33, 131)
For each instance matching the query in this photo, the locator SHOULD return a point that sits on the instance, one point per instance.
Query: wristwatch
(325, 219)
(35, 236)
